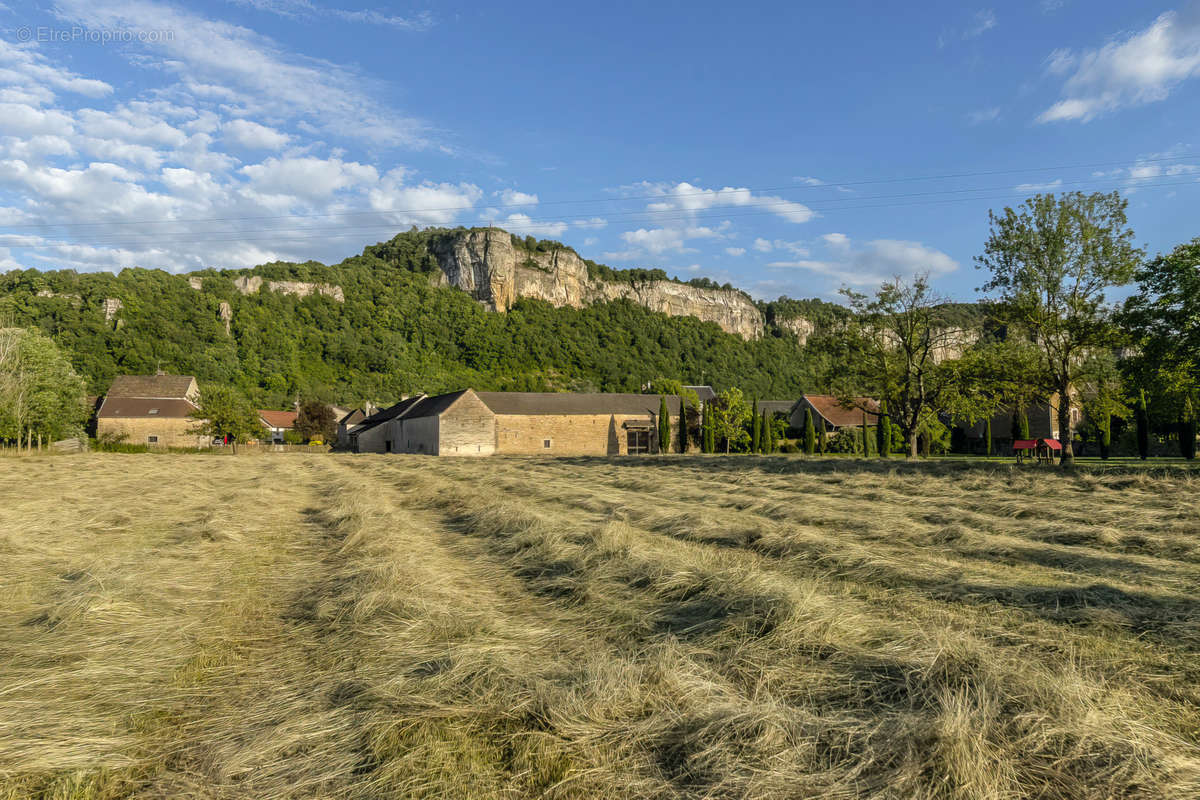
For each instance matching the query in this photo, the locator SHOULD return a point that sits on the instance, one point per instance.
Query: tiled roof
(705, 393)
(840, 416)
(278, 419)
(124, 407)
(776, 406)
(150, 386)
(391, 412)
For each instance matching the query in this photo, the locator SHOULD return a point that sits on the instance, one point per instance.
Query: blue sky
(788, 148)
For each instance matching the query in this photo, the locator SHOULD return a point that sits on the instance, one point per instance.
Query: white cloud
(762, 245)
(982, 22)
(253, 136)
(595, 223)
(511, 197)
(308, 178)
(251, 71)
(22, 65)
(983, 115)
(1038, 187)
(874, 262)
(1132, 70)
(424, 204)
(692, 199)
(521, 223)
(305, 9)
(735, 251)
(808, 180)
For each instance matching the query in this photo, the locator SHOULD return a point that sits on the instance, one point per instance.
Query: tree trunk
(1065, 434)
(912, 444)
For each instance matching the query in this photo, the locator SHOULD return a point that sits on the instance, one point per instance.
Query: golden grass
(308, 625)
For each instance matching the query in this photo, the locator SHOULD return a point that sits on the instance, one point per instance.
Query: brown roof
(838, 415)
(122, 407)
(278, 419)
(573, 403)
(150, 386)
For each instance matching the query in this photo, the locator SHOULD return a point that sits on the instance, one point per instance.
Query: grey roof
(573, 403)
(431, 406)
(390, 413)
(162, 408)
(705, 393)
(150, 386)
(353, 418)
(776, 406)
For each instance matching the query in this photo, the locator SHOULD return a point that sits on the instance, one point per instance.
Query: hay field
(373, 627)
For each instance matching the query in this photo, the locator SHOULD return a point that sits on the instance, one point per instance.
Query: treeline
(394, 334)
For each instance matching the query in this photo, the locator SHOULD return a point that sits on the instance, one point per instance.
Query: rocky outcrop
(249, 284)
(799, 327)
(73, 299)
(225, 314)
(111, 306)
(196, 283)
(486, 264)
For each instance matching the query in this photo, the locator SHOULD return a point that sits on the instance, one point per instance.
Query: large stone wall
(467, 428)
(171, 431)
(486, 264)
(419, 435)
(570, 434)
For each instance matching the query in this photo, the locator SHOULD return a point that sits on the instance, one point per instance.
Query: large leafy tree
(315, 420)
(225, 413)
(41, 396)
(1163, 320)
(1052, 260)
(899, 343)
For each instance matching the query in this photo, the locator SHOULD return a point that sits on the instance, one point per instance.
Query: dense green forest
(395, 333)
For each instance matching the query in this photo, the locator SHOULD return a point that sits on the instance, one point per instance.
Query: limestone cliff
(249, 284)
(495, 272)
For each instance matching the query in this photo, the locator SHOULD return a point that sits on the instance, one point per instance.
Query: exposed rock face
(111, 306)
(485, 263)
(225, 314)
(799, 326)
(73, 299)
(249, 284)
(195, 283)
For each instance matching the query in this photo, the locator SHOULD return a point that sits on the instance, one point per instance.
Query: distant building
(1043, 424)
(470, 423)
(830, 415)
(348, 423)
(704, 393)
(151, 409)
(277, 424)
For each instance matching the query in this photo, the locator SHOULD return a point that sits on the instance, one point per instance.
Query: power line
(628, 198)
(285, 235)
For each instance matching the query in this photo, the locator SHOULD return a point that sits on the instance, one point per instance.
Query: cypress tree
(683, 427)
(987, 435)
(1105, 436)
(810, 433)
(765, 438)
(1187, 431)
(1143, 426)
(664, 426)
(883, 432)
(755, 429)
(866, 439)
(708, 434)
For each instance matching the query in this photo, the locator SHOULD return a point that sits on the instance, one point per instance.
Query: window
(153, 411)
(546, 444)
(152, 439)
(638, 442)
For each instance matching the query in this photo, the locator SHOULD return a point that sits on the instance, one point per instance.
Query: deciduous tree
(225, 414)
(1051, 261)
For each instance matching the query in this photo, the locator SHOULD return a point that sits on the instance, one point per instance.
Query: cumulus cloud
(873, 262)
(511, 197)
(253, 136)
(1135, 69)
(735, 251)
(521, 223)
(661, 240)
(692, 199)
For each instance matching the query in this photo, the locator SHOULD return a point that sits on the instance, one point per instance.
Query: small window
(152, 439)
(153, 411)
(546, 444)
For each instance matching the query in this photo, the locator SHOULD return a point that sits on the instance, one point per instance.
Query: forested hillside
(394, 333)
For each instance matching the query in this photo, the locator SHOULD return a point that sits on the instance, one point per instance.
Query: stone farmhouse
(151, 409)
(470, 423)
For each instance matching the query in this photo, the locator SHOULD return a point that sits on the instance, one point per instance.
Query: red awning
(1031, 444)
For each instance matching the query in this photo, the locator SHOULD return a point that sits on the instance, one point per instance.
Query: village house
(830, 415)
(470, 423)
(1043, 424)
(277, 423)
(151, 409)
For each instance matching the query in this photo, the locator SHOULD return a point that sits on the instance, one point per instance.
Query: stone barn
(829, 415)
(151, 409)
(470, 423)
